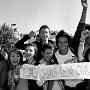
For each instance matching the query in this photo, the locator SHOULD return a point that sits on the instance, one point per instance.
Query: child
(16, 60)
(47, 52)
(64, 55)
(30, 55)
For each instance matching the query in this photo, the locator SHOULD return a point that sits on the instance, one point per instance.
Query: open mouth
(15, 62)
(28, 56)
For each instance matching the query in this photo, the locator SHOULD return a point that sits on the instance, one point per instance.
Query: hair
(1, 57)
(43, 27)
(62, 33)
(47, 46)
(87, 26)
(86, 55)
(31, 44)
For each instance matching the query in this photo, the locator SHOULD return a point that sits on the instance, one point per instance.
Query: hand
(85, 34)
(31, 34)
(40, 82)
(84, 3)
(17, 70)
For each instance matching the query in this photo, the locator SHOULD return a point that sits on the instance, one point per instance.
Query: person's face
(29, 52)
(15, 58)
(5, 55)
(44, 33)
(48, 54)
(63, 44)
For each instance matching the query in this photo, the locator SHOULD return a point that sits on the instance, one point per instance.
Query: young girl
(16, 60)
(30, 55)
(47, 52)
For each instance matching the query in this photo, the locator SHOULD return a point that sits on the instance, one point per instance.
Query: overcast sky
(31, 14)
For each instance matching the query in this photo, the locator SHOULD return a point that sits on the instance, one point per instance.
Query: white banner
(54, 72)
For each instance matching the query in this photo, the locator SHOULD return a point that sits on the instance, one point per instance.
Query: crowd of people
(47, 52)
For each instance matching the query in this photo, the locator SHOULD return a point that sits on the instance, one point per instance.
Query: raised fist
(84, 3)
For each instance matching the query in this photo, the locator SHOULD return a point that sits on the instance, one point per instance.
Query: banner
(54, 72)
(29, 72)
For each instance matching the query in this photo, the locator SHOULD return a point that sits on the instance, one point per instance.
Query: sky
(32, 14)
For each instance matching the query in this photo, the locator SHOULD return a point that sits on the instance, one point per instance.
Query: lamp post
(12, 33)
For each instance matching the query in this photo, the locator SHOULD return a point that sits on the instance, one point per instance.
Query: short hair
(62, 33)
(47, 46)
(43, 27)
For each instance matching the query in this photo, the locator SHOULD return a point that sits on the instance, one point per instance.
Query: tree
(6, 37)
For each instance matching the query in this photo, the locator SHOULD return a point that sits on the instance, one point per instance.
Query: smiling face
(47, 54)
(63, 45)
(29, 52)
(15, 58)
(44, 34)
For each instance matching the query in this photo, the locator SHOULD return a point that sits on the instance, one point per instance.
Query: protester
(64, 55)
(44, 33)
(87, 41)
(30, 55)
(81, 48)
(73, 46)
(3, 73)
(16, 60)
(81, 26)
(47, 52)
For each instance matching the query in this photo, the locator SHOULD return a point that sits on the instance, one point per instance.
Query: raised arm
(84, 11)
(84, 35)
(20, 44)
(81, 26)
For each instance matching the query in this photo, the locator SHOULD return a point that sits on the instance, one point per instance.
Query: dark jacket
(76, 38)
(3, 74)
